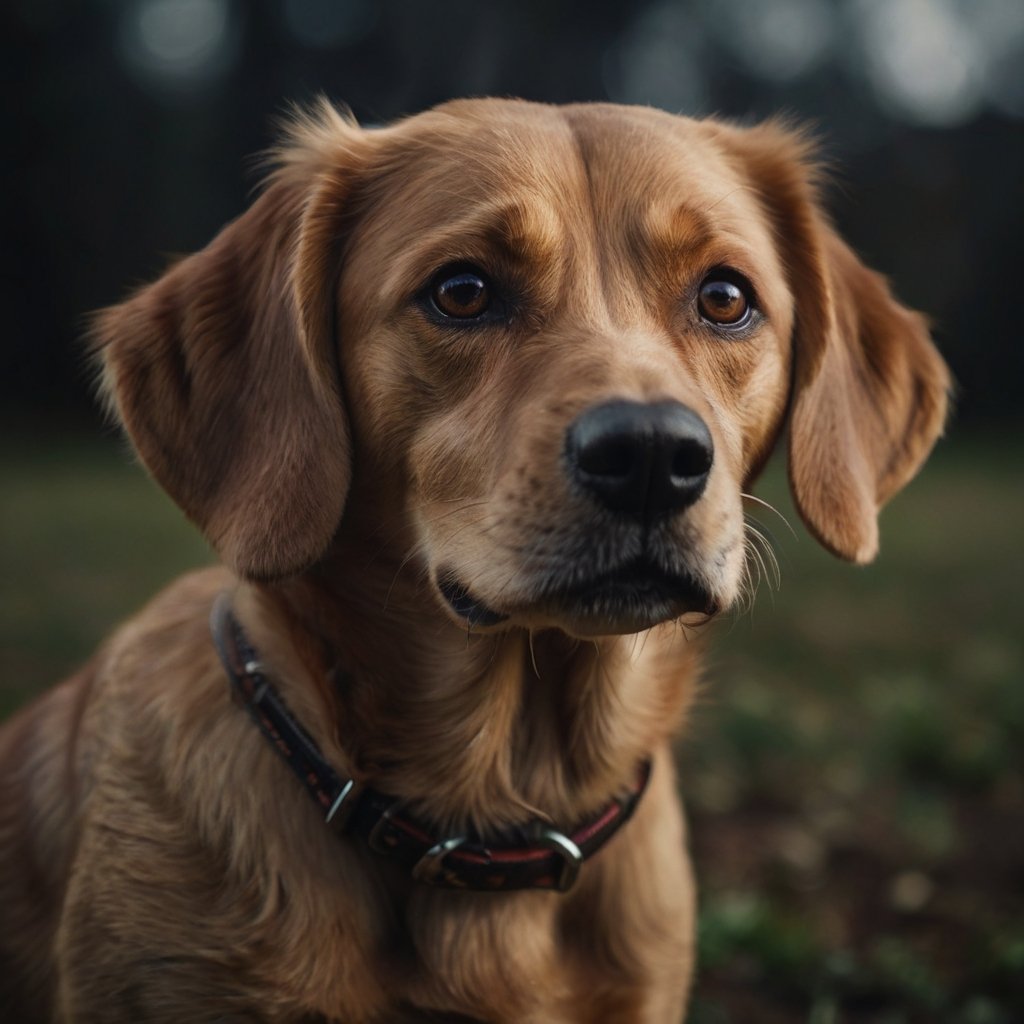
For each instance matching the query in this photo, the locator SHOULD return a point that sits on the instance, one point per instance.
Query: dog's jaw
(627, 599)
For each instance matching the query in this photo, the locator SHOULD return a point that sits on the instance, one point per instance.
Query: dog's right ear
(870, 390)
(223, 371)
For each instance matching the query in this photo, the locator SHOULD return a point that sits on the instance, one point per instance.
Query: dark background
(131, 127)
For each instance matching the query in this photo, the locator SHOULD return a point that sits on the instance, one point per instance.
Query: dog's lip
(466, 606)
(642, 577)
(631, 598)
(627, 599)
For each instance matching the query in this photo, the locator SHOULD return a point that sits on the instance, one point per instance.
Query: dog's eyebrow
(687, 235)
(524, 236)
(525, 231)
(674, 231)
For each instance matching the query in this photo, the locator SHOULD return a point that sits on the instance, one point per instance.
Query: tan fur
(339, 449)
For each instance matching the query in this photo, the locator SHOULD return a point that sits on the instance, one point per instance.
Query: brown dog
(451, 396)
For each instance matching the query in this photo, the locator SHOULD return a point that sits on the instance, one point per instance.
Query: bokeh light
(179, 46)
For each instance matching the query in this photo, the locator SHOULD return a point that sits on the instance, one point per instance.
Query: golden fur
(342, 451)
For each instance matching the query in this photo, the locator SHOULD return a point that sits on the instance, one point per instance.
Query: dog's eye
(724, 300)
(463, 295)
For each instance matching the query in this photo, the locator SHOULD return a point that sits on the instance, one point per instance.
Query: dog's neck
(486, 730)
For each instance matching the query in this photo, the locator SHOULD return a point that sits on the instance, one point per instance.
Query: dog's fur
(343, 451)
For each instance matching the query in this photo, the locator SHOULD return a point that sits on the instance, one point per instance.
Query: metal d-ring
(572, 856)
(428, 867)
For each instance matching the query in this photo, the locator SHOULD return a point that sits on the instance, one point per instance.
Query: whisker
(760, 564)
(643, 642)
(760, 537)
(771, 508)
(748, 583)
(757, 560)
(533, 654)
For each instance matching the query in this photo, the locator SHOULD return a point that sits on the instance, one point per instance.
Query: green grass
(86, 538)
(853, 770)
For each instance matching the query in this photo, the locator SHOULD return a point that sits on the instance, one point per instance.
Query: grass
(853, 771)
(87, 537)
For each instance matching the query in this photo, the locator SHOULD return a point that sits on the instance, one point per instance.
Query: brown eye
(462, 296)
(724, 302)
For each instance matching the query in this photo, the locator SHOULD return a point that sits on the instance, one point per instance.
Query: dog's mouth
(466, 606)
(628, 599)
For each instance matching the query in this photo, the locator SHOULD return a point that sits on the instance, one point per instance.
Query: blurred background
(853, 772)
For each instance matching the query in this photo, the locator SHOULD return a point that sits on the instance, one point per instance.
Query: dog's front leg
(139, 944)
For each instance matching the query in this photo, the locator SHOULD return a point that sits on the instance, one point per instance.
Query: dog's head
(554, 344)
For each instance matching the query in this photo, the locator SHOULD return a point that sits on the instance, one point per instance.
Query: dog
(467, 406)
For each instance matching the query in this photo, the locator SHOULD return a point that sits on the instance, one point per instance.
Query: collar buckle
(429, 867)
(570, 853)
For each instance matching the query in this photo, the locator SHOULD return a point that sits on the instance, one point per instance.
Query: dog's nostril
(607, 457)
(690, 459)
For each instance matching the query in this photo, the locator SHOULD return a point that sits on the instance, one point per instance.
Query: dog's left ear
(869, 388)
(223, 371)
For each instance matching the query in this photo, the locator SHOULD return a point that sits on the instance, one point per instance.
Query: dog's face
(557, 342)
(574, 348)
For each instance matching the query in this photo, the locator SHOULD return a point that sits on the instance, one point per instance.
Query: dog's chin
(629, 600)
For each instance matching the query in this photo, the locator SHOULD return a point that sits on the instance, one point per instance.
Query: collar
(532, 856)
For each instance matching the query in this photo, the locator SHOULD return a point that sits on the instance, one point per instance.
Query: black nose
(642, 460)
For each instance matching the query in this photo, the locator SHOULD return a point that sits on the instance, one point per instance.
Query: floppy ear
(223, 374)
(869, 401)
(869, 388)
